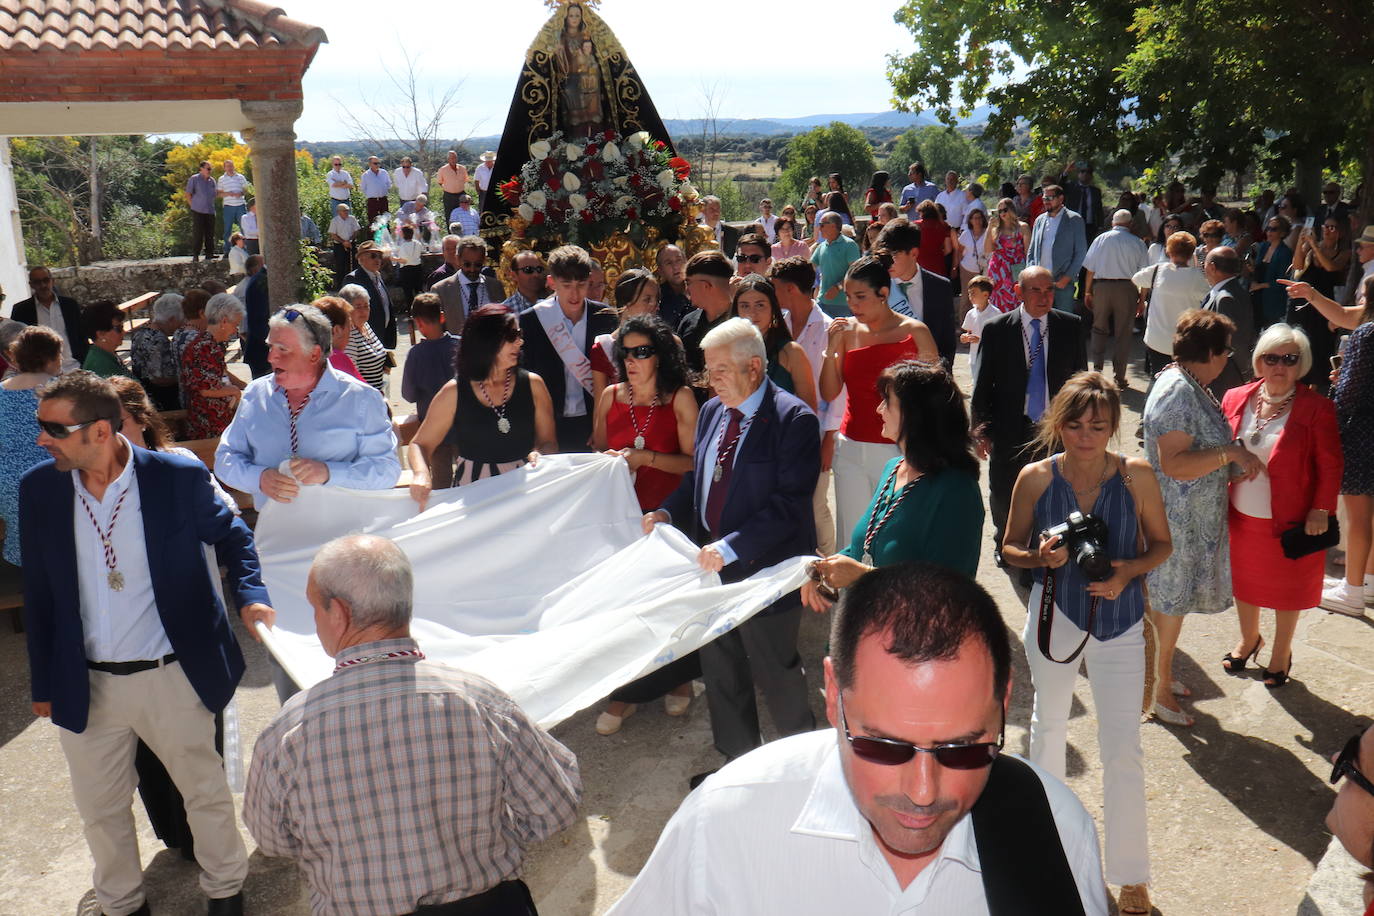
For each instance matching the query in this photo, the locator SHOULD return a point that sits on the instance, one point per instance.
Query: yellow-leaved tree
(182, 163)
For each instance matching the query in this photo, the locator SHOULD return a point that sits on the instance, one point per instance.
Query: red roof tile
(60, 25)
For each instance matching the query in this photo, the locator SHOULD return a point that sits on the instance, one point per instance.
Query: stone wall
(123, 280)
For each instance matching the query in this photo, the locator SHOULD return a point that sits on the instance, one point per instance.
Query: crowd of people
(741, 387)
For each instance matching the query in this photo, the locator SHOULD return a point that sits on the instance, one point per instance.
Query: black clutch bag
(1297, 543)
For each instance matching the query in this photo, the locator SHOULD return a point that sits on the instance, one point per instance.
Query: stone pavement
(1236, 804)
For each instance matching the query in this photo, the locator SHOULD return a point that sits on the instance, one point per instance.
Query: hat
(369, 245)
(489, 156)
(1366, 237)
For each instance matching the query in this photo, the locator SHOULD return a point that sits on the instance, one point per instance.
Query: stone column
(272, 139)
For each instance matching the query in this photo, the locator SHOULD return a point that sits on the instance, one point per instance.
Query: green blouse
(940, 521)
(103, 363)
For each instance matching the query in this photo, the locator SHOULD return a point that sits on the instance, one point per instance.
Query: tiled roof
(168, 25)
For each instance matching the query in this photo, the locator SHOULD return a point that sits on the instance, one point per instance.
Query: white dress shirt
(409, 186)
(339, 175)
(748, 408)
(777, 831)
(248, 222)
(50, 316)
(912, 301)
(119, 626)
(482, 176)
(1116, 254)
(956, 204)
(1026, 331)
(769, 222)
(813, 339)
(574, 402)
(376, 184)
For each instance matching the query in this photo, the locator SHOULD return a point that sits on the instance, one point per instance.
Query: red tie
(717, 489)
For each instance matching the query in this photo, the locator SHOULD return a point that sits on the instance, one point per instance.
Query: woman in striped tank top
(1102, 619)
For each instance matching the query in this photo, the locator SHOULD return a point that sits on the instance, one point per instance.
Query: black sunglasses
(1346, 766)
(891, 752)
(61, 430)
(643, 351)
(1273, 228)
(751, 258)
(536, 269)
(1288, 359)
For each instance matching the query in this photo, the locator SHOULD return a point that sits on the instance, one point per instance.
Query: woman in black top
(497, 415)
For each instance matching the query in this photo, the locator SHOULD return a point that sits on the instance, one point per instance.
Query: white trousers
(1116, 673)
(161, 707)
(858, 472)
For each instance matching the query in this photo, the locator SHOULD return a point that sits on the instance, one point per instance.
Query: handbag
(1297, 543)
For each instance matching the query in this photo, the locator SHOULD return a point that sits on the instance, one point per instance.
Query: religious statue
(579, 75)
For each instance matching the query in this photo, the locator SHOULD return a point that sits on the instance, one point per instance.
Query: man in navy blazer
(257, 311)
(1059, 243)
(748, 504)
(915, 291)
(127, 636)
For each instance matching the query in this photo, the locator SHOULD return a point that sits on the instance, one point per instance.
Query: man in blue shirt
(376, 182)
(200, 197)
(918, 190)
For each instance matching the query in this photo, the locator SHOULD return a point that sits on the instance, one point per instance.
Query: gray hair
(9, 332)
(830, 216)
(421, 199)
(710, 199)
(371, 574)
(1122, 218)
(1283, 335)
(167, 307)
(740, 335)
(222, 307)
(310, 325)
(353, 292)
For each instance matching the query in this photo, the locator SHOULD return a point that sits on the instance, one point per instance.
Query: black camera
(1085, 537)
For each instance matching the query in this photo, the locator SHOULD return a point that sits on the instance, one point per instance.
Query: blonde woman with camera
(1091, 524)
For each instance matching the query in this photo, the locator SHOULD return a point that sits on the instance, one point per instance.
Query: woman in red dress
(210, 395)
(650, 421)
(936, 242)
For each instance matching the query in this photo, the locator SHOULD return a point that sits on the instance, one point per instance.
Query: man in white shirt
(231, 188)
(481, 176)
(954, 199)
(768, 219)
(906, 806)
(410, 182)
(727, 237)
(1113, 259)
(340, 182)
(248, 223)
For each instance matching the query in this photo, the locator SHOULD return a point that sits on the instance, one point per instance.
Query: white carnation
(526, 212)
(540, 149)
(666, 178)
(577, 202)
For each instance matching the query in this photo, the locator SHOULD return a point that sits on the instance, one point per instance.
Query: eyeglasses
(891, 752)
(1273, 228)
(1003, 209)
(536, 269)
(61, 430)
(643, 351)
(751, 258)
(1273, 359)
(1346, 766)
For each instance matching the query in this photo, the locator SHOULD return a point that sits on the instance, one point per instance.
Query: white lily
(611, 153)
(536, 199)
(526, 212)
(540, 149)
(577, 202)
(571, 182)
(639, 139)
(572, 151)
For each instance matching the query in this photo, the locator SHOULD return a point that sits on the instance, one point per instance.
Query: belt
(378, 197)
(132, 667)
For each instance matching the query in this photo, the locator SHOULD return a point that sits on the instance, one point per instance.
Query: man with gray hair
(446, 780)
(832, 257)
(1110, 295)
(1227, 296)
(726, 236)
(760, 446)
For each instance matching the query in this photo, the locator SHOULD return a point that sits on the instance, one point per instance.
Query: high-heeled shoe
(1276, 679)
(1235, 665)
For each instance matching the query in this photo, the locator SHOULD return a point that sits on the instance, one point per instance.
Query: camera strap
(1042, 632)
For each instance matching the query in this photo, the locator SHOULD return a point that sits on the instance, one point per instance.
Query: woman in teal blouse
(928, 507)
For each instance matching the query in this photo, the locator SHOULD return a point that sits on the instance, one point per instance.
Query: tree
(403, 121)
(820, 151)
(940, 148)
(1133, 77)
(182, 163)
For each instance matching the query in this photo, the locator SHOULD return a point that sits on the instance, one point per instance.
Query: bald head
(1223, 262)
(1121, 218)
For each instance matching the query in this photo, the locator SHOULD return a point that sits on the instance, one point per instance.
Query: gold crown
(555, 4)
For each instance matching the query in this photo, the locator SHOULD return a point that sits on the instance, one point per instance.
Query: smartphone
(1336, 361)
(1309, 222)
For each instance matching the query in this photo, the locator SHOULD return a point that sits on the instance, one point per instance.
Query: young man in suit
(748, 504)
(915, 291)
(1227, 296)
(559, 333)
(129, 640)
(1058, 244)
(1025, 356)
(61, 313)
(368, 275)
(727, 237)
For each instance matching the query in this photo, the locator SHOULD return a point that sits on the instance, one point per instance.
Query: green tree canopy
(940, 148)
(820, 151)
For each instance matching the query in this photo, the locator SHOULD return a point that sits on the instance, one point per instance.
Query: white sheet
(539, 580)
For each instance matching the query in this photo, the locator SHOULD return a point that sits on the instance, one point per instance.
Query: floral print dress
(202, 367)
(1009, 251)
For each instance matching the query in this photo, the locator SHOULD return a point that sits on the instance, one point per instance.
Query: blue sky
(743, 45)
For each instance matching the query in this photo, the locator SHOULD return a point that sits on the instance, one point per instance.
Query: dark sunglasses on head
(1346, 766)
(752, 258)
(891, 752)
(527, 269)
(290, 314)
(1273, 359)
(61, 430)
(643, 351)
(1273, 228)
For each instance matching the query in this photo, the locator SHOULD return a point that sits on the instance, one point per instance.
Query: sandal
(1134, 899)
(1172, 716)
(1235, 665)
(1276, 679)
(1179, 689)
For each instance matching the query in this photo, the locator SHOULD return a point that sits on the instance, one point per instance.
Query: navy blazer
(539, 356)
(767, 516)
(180, 513)
(25, 311)
(937, 313)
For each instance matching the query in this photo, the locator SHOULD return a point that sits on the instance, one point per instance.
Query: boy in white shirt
(979, 314)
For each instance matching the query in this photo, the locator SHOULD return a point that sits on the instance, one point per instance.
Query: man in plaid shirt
(401, 785)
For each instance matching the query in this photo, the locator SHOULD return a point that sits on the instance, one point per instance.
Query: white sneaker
(1343, 599)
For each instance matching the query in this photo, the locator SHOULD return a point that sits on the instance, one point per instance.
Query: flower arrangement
(586, 189)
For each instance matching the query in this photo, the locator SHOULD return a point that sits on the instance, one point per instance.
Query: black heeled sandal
(1235, 665)
(1276, 679)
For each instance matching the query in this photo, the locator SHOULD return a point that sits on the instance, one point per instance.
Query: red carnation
(635, 180)
(631, 213)
(538, 218)
(608, 136)
(675, 204)
(590, 150)
(659, 144)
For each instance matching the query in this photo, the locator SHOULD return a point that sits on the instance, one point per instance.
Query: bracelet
(1221, 457)
(652, 456)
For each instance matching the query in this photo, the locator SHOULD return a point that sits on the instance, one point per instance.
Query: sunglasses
(538, 269)
(1274, 359)
(891, 752)
(290, 314)
(643, 351)
(61, 430)
(751, 258)
(1345, 766)
(1003, 210)
(1273, 228)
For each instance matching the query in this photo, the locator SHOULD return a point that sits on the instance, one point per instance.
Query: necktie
(1035, 383)
(386, 300)
(720, 486)
(472, 296)
(903, 287)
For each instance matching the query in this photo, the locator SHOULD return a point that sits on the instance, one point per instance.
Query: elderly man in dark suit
(559, 333)
(368, 275)
(1228, 296)
(915, 291)
(1025, 356)
(61, 313)
(127, 637)
(748, 503)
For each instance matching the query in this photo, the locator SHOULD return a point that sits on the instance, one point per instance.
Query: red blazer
(1305, 467)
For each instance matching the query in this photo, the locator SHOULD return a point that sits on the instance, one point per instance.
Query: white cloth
(50, 316)
(1176, 289)
(602, 605)
(1116, 674)
(233, 187)
(409, 187)
(338, 175)
(858, 470)
(777, 831)
(119, 626)
(1255, 497)
(956, 204)
(813, 339)
(407, 254)
(1116, 254)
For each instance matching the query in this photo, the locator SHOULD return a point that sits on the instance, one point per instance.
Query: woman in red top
(936, 242)
(650, 421)
(636, 293)
(1293, 431)
(210, 395)
(877, 194)
(859, 349)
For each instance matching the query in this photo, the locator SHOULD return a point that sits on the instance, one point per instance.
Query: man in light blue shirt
(375, 184)
(464, 216)
(306, 424)
(918, 190)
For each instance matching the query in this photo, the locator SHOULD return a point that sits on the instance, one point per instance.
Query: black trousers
(343, 264)
(202, 234)
(509, 898)
(1009, 455)
(573, 432)
(450, 204)
(657, 683)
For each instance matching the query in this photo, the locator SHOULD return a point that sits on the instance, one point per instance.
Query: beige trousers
(825, 519)
(162, 708)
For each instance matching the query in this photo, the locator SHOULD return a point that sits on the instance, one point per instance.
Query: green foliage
(820, 151)
(316, 280)
(312, 186)
(941, 149)
(134, 234)
(182, 163)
